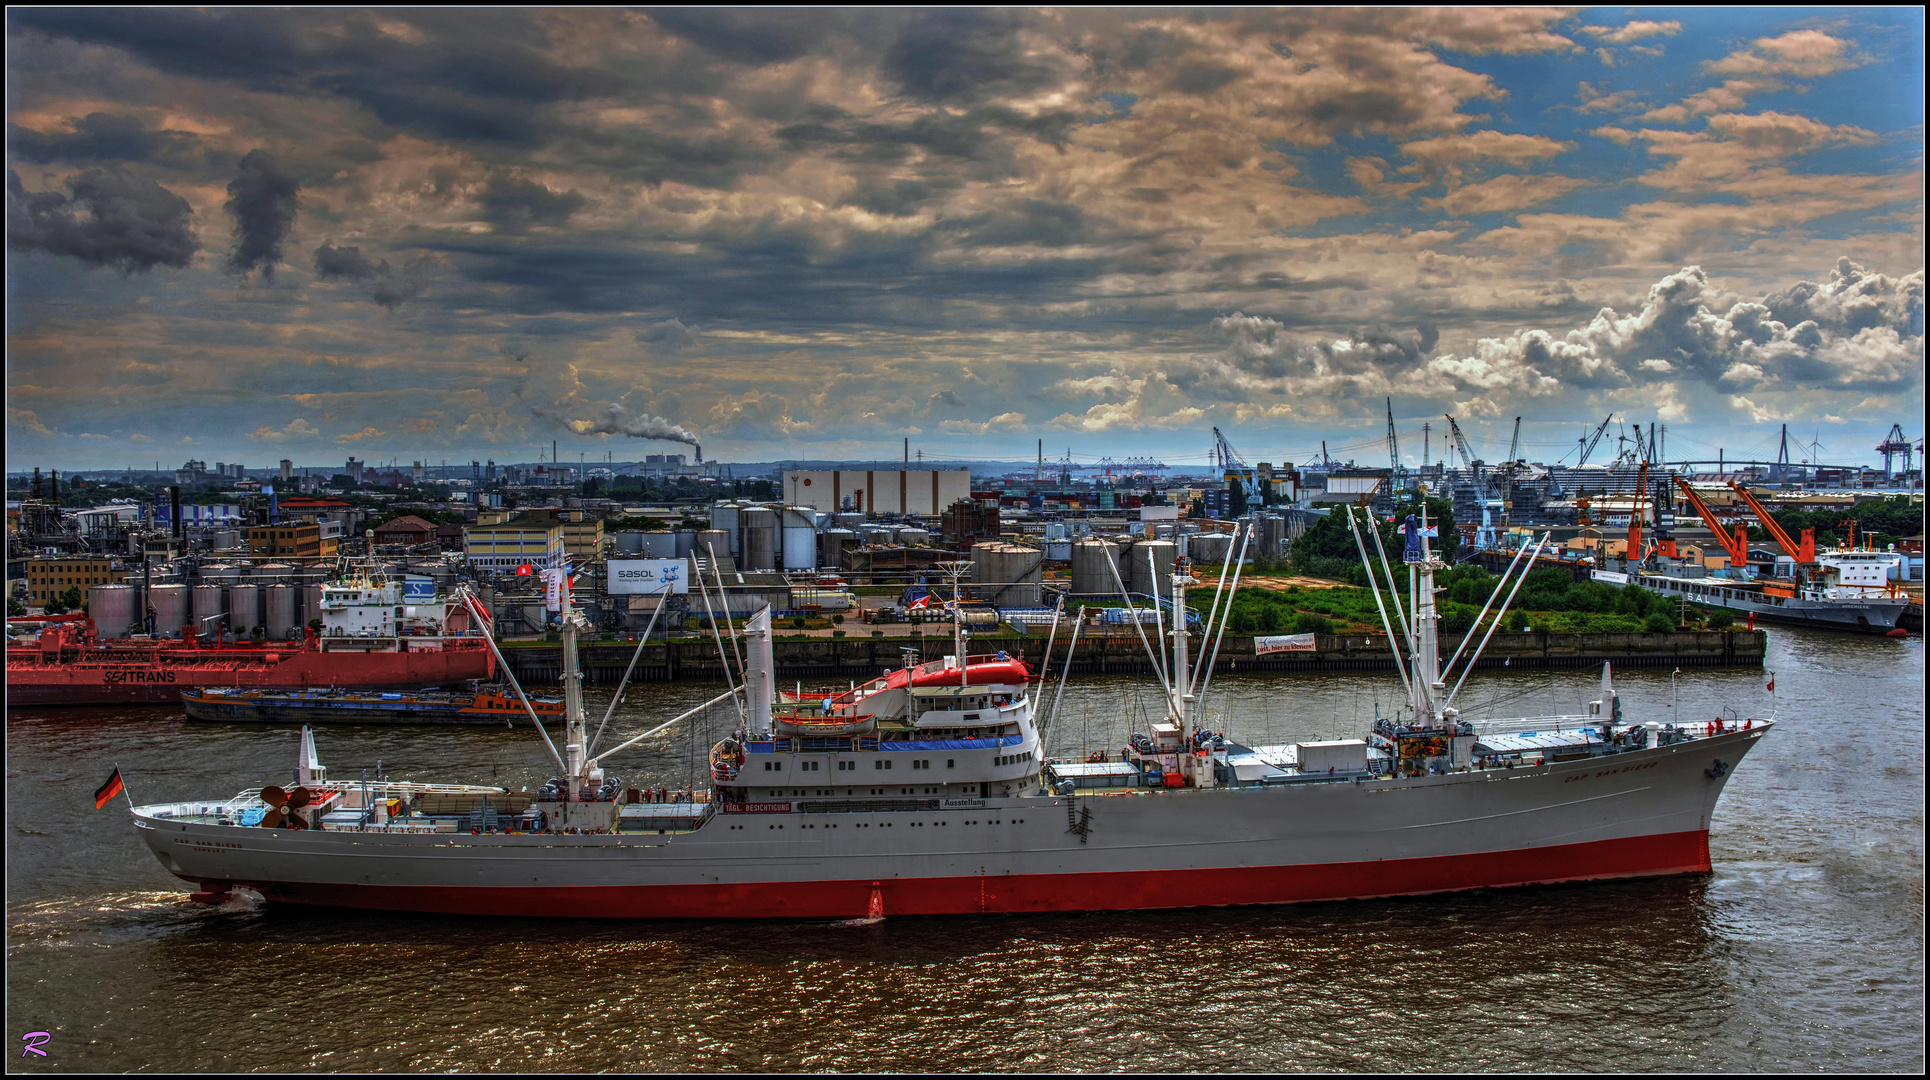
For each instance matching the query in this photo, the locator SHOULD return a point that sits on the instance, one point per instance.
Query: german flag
(108, 790)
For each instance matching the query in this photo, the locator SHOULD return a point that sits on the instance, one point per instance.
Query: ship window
(878, 764)
(948, 763)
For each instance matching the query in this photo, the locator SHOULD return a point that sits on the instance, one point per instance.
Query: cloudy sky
(248, 235)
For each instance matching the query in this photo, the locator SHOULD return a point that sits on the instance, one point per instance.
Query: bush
(1517, 621)
(1658, 623)
(1719, 619)
(877, 633)
(797, 623)
(1305, 623)
(837, 633)
(837, 620)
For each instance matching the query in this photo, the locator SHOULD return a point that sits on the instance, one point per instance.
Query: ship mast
(1421, 565)
(1182, 680)
(584, 774)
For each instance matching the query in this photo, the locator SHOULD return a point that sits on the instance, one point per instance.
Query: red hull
(157, 675)
(1649, 856)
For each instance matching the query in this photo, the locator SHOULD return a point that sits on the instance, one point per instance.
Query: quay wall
(866, 658)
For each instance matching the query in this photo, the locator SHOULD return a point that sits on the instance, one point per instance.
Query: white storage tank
(279, 611)
(112, 609)
(911, 535)
(244, 608)
(1093, 563)
(207, 609)
(170, 604)
(800, 539)
(724, 517)
(311, 604)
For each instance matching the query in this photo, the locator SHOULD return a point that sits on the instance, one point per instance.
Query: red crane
(1737, 546)
(1804, 553)
(1636, 518)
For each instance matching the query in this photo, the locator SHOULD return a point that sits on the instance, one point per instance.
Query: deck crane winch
(1738, 545)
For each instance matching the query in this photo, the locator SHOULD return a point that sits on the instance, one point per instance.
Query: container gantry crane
(1234, 466)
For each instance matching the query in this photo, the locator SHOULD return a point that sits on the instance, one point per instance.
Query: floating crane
(1738, 545)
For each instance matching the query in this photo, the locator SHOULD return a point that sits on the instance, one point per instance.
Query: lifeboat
(824, 727)
(982, 671)
(725, 759)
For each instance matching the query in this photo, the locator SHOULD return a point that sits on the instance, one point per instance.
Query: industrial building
(299, 541)
(878, 491)
(503, 548)
(48, 577)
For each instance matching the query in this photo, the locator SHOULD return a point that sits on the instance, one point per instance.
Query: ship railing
(1556, 723)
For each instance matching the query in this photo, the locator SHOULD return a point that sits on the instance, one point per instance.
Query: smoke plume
(616, 420)
(263, 200)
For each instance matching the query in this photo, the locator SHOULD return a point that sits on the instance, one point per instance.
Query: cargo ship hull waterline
(928, 792)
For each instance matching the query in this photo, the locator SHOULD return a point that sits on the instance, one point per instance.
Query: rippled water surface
(1803, 951)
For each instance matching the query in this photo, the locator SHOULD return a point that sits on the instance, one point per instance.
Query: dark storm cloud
(756, 36)
(386, 287)
(649, 157)
(512, 203)
(264, 200)
(668, 336)
(952, 53)
(96, 137)
(125, 222)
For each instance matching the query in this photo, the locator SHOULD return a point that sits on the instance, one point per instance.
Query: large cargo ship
(370, 638)
(928, 792)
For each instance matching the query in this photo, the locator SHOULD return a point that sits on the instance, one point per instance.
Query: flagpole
(124, 793)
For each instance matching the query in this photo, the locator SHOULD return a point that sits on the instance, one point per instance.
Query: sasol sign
(646, 576)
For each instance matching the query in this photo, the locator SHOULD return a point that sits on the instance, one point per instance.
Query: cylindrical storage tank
(207, 609)
(831, 545)
(244, 608)
(170, 604)
(1156, 580)
(656, 545)
(710, 540)
(311, 603)
(278, 611)
(914, 536)
(628, 543)
(1058, 550)
(1091, 574)
(269, 573)
(1006, 574)
(725, 517)
(760, 544)
(1209, 548)
(685, 542)
(847, 520)
(800, 539)
(112, 608)
(219, 574)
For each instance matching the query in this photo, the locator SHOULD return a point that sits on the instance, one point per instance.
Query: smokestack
(54, 475)
(907, 449)
(700, 452)
(174, 509)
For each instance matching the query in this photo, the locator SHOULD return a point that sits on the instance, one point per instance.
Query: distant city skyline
(788, 234)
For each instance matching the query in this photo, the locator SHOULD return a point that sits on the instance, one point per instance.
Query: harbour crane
(1508, 475)
(1588, 442)
(1738, 545)
(1398, 475)
(1235, 467)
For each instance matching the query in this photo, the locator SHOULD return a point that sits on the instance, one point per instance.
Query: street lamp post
(1672, 676)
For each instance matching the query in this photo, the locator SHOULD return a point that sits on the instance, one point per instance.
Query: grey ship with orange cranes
(1832, 592)
(928, 792)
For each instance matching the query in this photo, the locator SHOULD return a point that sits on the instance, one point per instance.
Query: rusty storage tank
(112, 609)
(244, 608)
(278, 603)
(170, 604)
(1006, 574)
(759, 546)
(1090, 573)
(831, 545)
(714, 540)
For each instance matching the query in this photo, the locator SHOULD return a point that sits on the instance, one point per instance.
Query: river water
(1802, 951)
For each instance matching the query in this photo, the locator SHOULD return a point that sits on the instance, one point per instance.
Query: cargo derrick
(1804, 553)
(1737, 546)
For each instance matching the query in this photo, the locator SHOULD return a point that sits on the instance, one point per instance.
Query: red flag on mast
(108, 790)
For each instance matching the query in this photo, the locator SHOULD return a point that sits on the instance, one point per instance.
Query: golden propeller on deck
(282, 806)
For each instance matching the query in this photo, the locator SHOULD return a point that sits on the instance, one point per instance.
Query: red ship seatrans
(362, 644)
(932, 793)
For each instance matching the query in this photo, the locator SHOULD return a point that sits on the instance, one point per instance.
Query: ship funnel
(308, 766)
